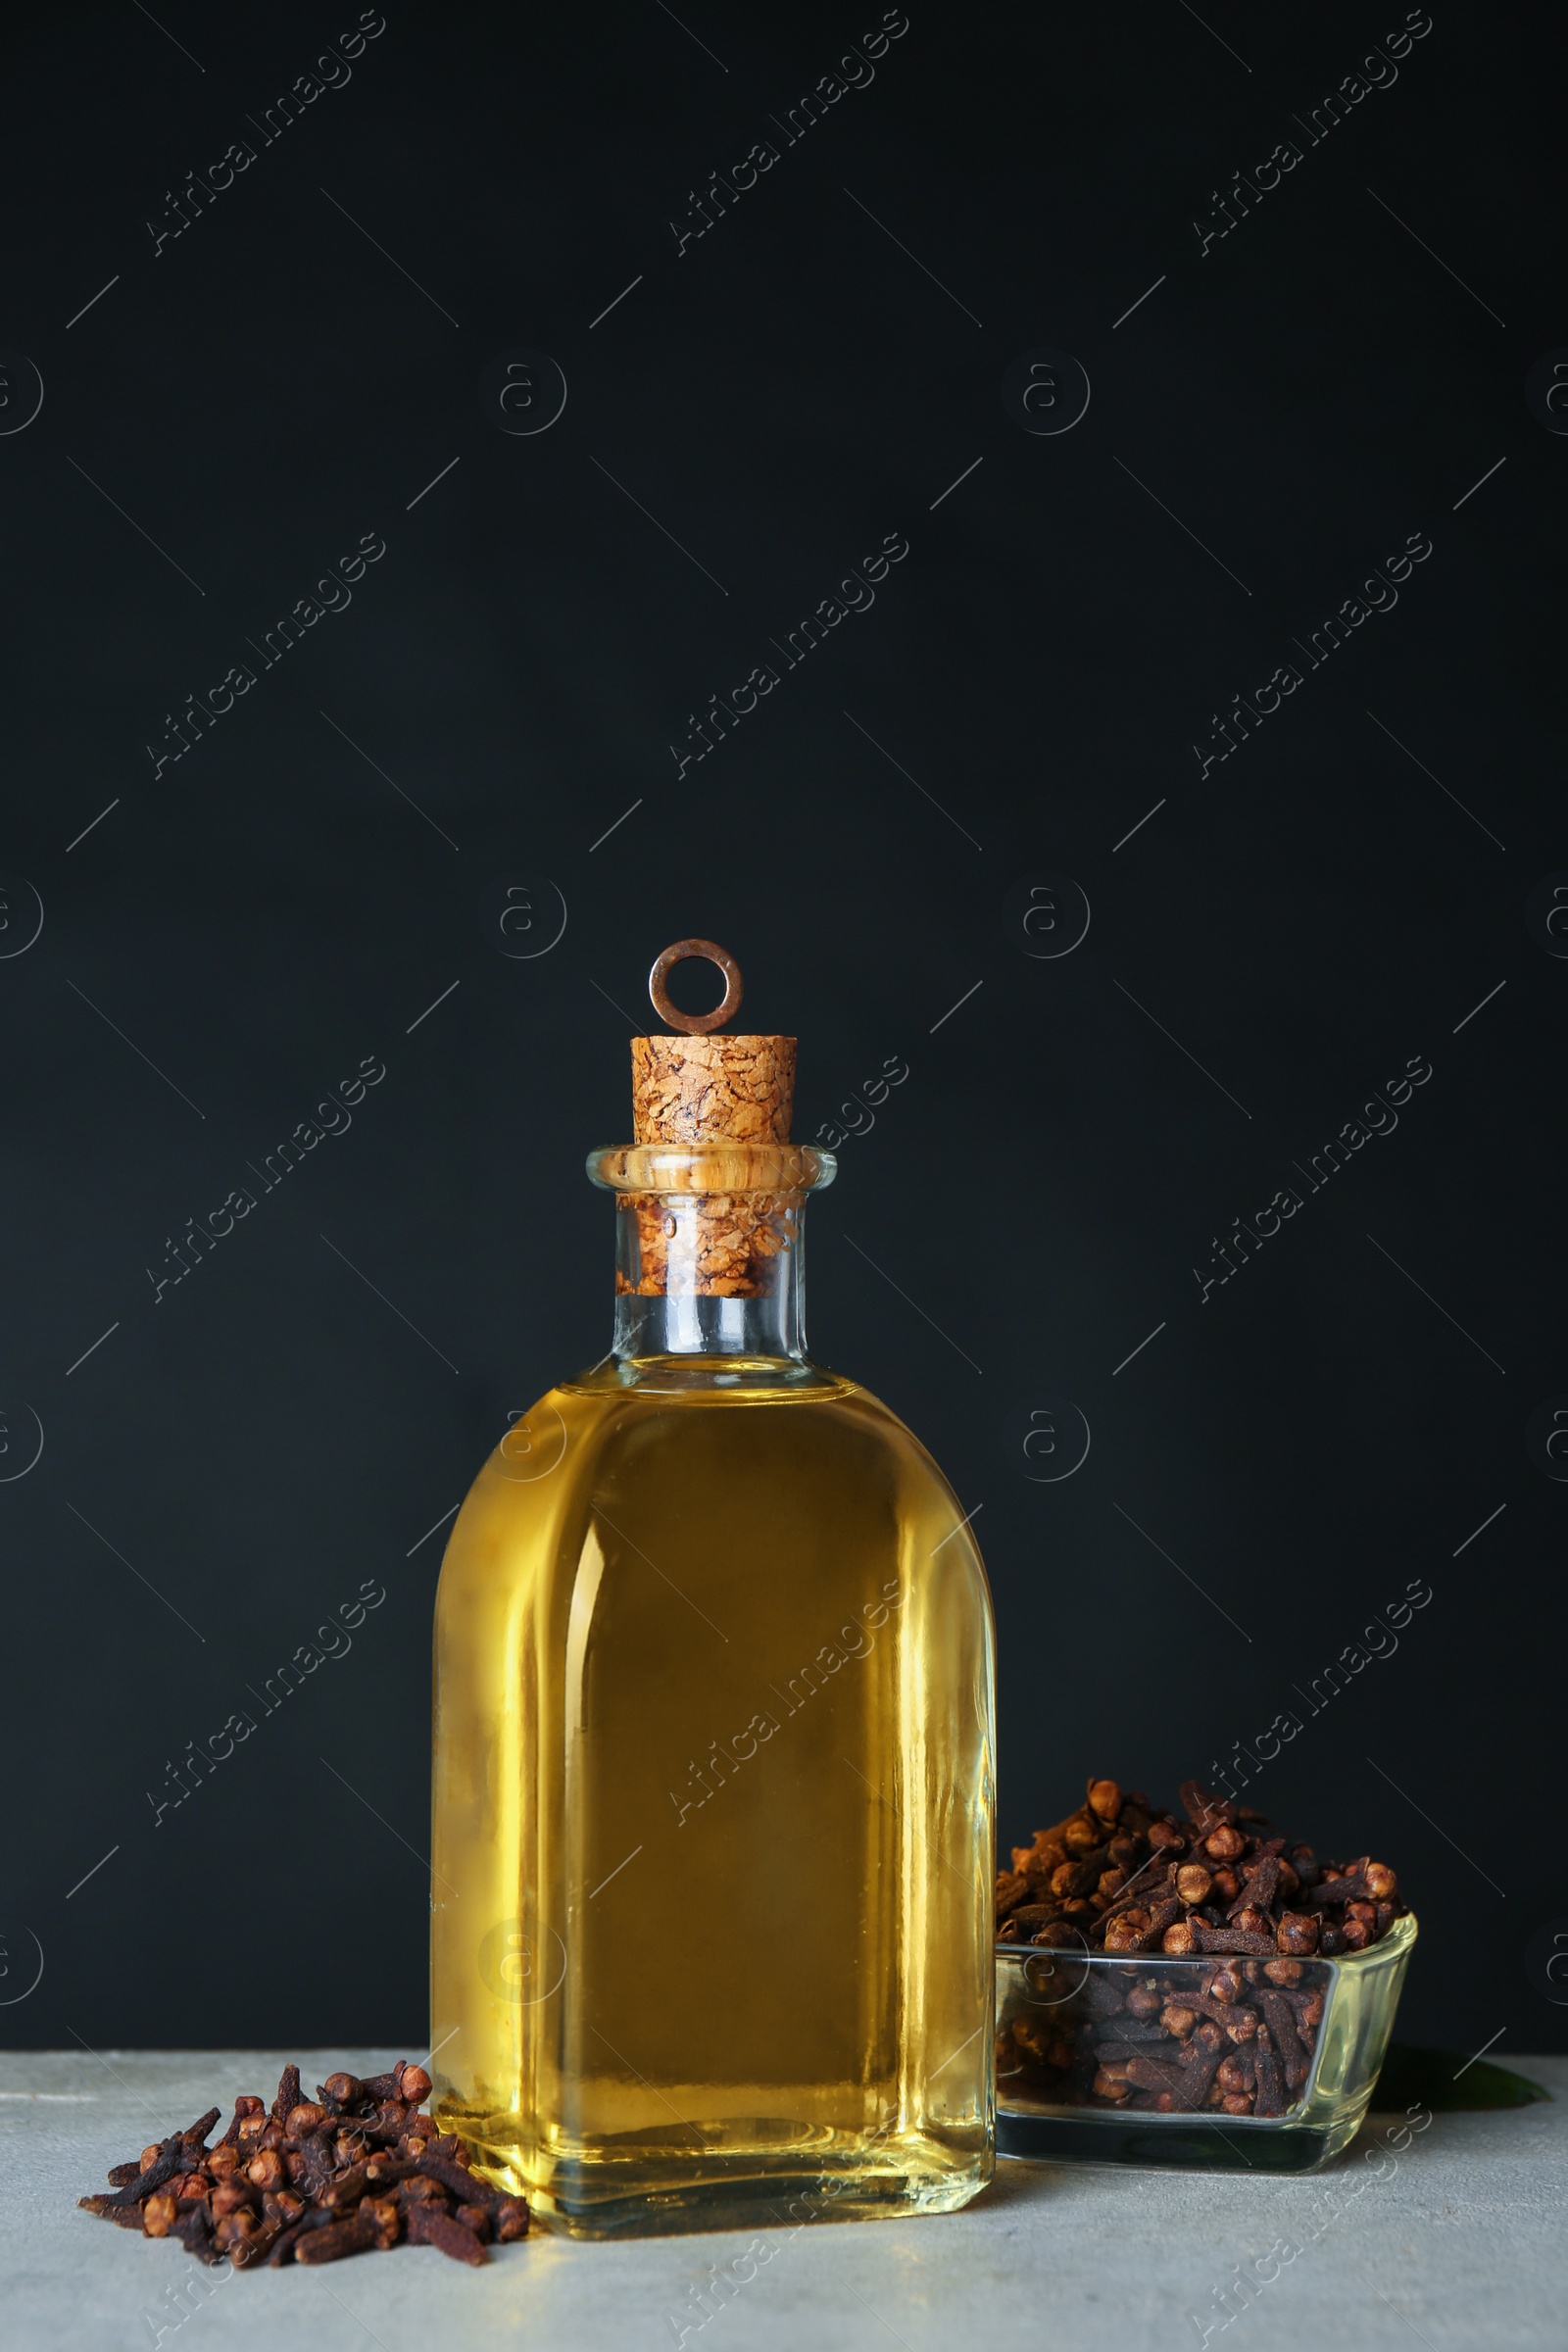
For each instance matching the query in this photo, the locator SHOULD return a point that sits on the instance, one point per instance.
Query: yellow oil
(713, 1809)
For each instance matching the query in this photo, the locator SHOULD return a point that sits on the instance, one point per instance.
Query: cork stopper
(698, 1088)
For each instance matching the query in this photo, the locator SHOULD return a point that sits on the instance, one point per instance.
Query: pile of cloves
(1238, 2037)
(353, 2170)
(1155, 1894)
(1124, 1876)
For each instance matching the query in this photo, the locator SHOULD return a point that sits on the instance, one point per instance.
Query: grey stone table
(1456, 2241)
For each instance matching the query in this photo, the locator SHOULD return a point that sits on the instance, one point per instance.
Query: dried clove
(430, 2225)
(351, 2172)
(356, 2234)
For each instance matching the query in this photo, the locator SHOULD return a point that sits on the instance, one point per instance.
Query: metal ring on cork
(696, 1024)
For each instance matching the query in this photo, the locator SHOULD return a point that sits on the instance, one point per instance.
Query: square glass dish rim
(1389, 1945)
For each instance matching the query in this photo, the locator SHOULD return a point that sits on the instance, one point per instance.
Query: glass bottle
(714, 1737)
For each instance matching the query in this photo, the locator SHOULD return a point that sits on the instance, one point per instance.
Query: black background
(781, 395)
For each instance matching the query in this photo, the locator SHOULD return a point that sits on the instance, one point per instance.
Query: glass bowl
(1101, 2059)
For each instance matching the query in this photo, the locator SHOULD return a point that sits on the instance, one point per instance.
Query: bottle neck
(709, 1247)
(711, 1275)
(770, 1327)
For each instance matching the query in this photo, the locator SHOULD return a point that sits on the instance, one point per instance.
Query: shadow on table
(1445, 2082)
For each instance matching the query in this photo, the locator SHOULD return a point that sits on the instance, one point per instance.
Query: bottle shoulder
(737, 1410)
(715, 1380)
(823, 1446)
(673, 1405)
